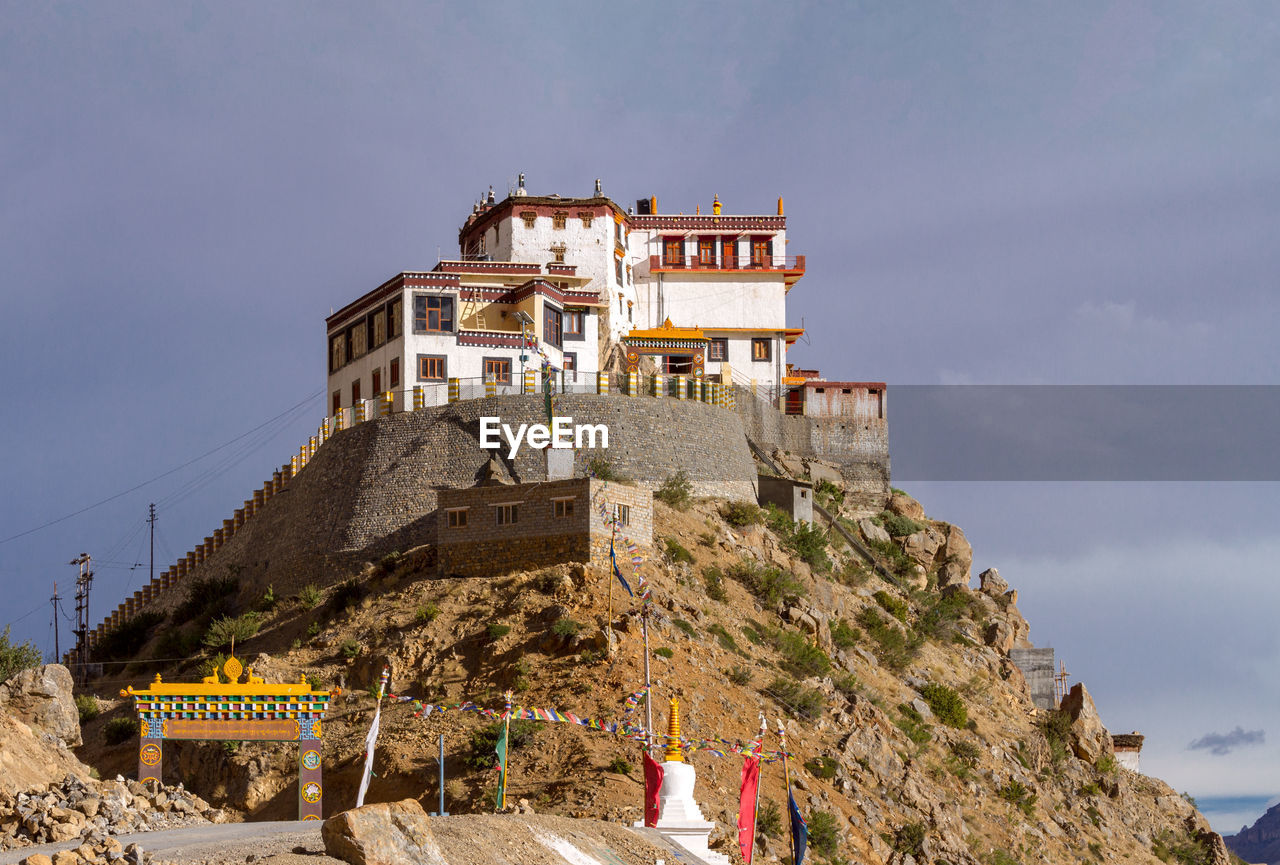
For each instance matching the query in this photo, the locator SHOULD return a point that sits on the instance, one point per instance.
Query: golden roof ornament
(673, 753)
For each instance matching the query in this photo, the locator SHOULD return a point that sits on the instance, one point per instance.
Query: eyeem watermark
(563, 433)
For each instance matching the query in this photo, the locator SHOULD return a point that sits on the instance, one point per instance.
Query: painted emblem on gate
(310, 759)
(311, 792)
(150, 754)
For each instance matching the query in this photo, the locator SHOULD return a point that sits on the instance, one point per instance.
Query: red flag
(652, 784)
(747, 807)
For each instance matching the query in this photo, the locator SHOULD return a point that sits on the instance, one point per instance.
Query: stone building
(497, 528)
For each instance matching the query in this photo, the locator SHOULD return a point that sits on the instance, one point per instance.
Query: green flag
(546, 393)
(501, 750)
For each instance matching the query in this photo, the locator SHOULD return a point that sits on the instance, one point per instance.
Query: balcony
(790, 266)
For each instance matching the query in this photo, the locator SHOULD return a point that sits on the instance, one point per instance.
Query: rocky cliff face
(1259, 842)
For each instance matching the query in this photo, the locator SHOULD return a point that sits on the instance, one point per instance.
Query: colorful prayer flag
(501, 750)
(747, 799)
(652, 785)
(799, 832)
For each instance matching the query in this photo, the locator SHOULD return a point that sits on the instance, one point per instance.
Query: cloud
(1224, 743)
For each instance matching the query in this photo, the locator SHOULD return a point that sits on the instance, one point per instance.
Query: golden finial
(780, 205)
(673, 753)
(715, 205)
(157, 681)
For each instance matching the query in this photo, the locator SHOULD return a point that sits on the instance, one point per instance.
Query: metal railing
(741, 262)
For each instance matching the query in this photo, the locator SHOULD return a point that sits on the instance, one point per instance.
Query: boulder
(389, 833)
(819, 472)
(791, 465)
(41, 698)
(991, 583)
(905, 506)
(923, 545)
(957, 559)
(1089, 739)
(872, 532)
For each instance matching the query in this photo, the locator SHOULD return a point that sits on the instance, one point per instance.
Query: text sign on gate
(246, 731)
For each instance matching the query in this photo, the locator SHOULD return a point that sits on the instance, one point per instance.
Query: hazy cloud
(1224, 743)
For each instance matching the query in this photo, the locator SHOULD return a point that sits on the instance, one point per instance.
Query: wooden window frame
(359, 339)
(762, 252)
(530, 217)
(379, 326)
(729, 253)
(559, 219)
(395, 319)
(623, 513)
(430, 359)
(562, 509)
(507, 514)
(337, 401)
(355, 392)
(575, 318)
(444, 313)
(337, 352)
(376, 381)
(484, 366)
(553, 326)
(586, 216)
(457, 518)
(395, 372)
(706, 251)
(672, 245)
(758, 343)
(718, 349)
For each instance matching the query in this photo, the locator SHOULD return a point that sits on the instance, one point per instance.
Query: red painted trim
(855, 385)
(660, 222)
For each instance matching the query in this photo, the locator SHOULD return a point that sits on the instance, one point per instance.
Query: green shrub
(663, 652)
(714, 579)
(484, 740)
(893, 648)
(177, 642)
(824, 834)
(349, 649)
(387, 564)
(223, 632)
(809, 543)
(739, 675)
(846, 684)
(684, 626)
(426, 615)
(842, 635)
(769, 820)
(799, 656)
(741, 514)
(723, 637)
(1107, 764)
(117, 731)
(126, 640)
(1090, 789)
(313, 629)
(310, 596)
(947, 706)
(346, 595)
(620, 766)
(913, 724)
(907, 838)
(824, 489)
(566, 628)
(1016, 793)
(676, 491)
(1057, 732)
(753, 635)
(676, 552)
(87, 707)
(268, 600)
(894, 606)
(899, 526)
(207, 598)
(496, 631)
(822, 767)
(770, 585)
(16, 657)
(804, 703)
(966, 752)
(601, 468)
(939, 620)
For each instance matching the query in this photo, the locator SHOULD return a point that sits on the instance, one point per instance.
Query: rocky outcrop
(1259, 842)
(388, 833)
(41, 698)
(1089, 739)
(957, 559)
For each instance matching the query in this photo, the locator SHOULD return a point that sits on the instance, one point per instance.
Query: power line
(145, 483)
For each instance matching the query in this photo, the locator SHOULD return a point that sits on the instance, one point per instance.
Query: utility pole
(57, 649)
(83, 583)
(152, 519)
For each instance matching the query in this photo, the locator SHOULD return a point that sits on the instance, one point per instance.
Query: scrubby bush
(484, 740)
(1057, 732)
(892, 605)
(770, 585)
(842, 635)
(117, 731)
(898, 562)
(799, 656)
(1016, 793)
(663, 652)
(741, 514)
(803, 703)
(739, 675)
(913, 724)
(939, 620)
(899, 526)
(723, 637)
(893, 648)
(713, 577)
(16, 657)
(87, 707)
(497, 631)
(601, 468)
(310, 596)
(207, 598)
(824, 834)
(809, 543)
(223, 632)
(346, 595)
(688, 629)
(620, 766)
(946, 705)
(907, 839)
(566, 628)
(769, 820)
(350, 649)
(426, 615)
(127, 639)
(676, 552)
(822, 767)
(676, 491)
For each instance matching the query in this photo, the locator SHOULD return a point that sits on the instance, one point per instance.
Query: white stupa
(679, 817)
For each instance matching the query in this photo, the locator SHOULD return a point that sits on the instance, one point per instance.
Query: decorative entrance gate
(248, 711)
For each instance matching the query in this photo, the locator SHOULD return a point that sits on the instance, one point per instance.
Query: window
(761, 252)
(553, 326)
(623, 513)
(395, 372)
(586, 217)
(562, 508)
(355, 391)
(394, 326)
(508, 514)
(558, 219)
(377, 382)
(729, 252)
(359, 339)
(573, 321)
(432, 314)
(673, 251)
(529, 217)
(379, 327)
(707, 252)
(457, 518)
(497, 369)
(718, 349)
(337, 401)
(761, 348)
(337, 352)
(432, 367)
(557, 250)
(617, 269)
(571, 365)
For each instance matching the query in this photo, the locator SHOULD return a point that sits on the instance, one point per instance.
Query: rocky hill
(1260, 842)
(914, 736)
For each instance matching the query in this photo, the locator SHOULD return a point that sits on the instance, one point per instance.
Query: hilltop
(914, 735)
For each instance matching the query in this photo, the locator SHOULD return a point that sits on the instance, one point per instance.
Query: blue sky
(1037, 194)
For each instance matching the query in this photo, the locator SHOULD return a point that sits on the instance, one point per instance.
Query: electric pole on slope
(83, 583)
(152, 519)
(57, 648)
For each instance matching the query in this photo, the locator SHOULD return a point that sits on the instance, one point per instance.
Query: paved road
(195, 838)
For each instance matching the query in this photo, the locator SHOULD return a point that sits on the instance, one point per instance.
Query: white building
(583, 283)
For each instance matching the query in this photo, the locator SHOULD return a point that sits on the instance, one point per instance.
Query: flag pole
(755, 815)
(608, 629)
(786, 773)
(506, 758)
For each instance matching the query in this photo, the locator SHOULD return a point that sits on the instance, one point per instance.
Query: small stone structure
(679, 817)
(1128, 748)
(793, 497)
(496, 528)
(1037, 668)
